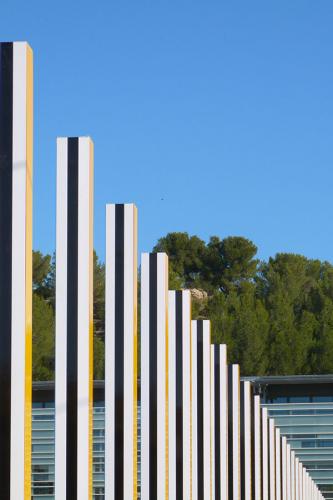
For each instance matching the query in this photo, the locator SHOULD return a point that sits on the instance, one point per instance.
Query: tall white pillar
(265, 454)
(292, 475)
(278, 462)
(201, 407)
(234, 457)
(121, 352)
(272, 459)
(284, 468)
(154, 377)
(219, 412)
(74, 320)
(288, 472)
(246, 399)
(179, 394)
(16, 158)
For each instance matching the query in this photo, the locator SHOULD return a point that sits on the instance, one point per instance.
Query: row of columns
(203, 433)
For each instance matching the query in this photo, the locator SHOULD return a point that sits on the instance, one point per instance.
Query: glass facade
(43, 451)
(301, 406)
(303, 409)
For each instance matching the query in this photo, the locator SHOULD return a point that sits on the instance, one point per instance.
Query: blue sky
(214, 117)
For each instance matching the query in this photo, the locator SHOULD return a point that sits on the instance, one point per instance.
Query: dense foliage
(276, 317)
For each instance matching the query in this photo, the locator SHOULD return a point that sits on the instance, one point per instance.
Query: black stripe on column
(119, 352)
(217, 420)
(242, 436)
(230, 433)
(153, 377)
(200, 410)
(179, 395)
(6, 194)
(72, 315)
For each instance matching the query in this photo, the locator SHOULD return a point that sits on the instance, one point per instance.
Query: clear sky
(215, 117)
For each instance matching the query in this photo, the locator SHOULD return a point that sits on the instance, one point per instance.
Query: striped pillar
(297, 478)
(284, 467)
(292, 475)
(74, 320)
(179, 336)
(272, 464)
(234, 457)
(219, 416)
(201, 422)
(288, 466)
(304, 489)
(246, 399)
(265, 454)
(256, 450)
(16, 138)
(154, 377)
(121, 353)
(300, 480)
(278, 463)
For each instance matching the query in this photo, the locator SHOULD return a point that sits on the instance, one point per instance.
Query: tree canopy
(276, 317)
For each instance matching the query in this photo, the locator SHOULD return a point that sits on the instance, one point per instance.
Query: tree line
(276, 316)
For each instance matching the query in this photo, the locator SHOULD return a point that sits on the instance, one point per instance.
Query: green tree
(99, 300)
(42, 339)
(229, 262)
(186, 255)
(287, 283)
(240, 320)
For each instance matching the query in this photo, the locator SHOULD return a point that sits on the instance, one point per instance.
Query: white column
(278, 462)
(257, 448)
(213, 421)
(246, 441)
(121, 352)
(219, 412)
(154, 376)
(234, 451)
(16, 178)
(180, 394)
(265, 455)
(292, 475)
(297, 478)
(288, 465)
(272, 459)
(74, 320)
(201, 405)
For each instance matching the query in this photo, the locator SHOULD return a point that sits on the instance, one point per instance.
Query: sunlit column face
(246, 416)
(154, 376)
(257, 445)
(272, 458)
(74, 319)
(278, 463)
(16, 137)
(219, 419)
(201, 410)
(234, 457)
(265, 454)
(179, 336)
(121, 352)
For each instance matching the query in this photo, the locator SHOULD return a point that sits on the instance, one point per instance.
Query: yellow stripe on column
(28, 279)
